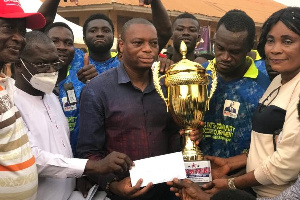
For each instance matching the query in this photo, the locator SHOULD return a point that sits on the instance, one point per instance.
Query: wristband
(231, 184)
(107, 188)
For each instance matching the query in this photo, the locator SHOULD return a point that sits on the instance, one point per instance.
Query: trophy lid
(186, 71)
(185, 64)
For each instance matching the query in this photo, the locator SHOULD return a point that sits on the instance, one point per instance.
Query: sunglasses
(44, 67)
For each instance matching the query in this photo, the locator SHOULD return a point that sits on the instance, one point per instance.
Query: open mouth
(15, 50)
(63, 56)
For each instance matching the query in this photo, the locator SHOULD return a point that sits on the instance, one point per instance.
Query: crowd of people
(71, 119)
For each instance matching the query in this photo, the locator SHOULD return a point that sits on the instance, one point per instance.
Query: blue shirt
(228, 126)
(72, 111)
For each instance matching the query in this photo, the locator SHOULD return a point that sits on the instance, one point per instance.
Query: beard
(99, 49)
(190, 47)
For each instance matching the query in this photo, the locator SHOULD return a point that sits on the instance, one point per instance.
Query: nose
(60, 45)
(18, 37)
(99, 33)
(186, 31)
(276, 48)
(147, 47)
(226, 56)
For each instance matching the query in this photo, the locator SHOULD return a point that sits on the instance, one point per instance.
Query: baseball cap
(11, 9)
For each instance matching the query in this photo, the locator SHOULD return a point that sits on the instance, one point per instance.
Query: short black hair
(34, 37)
(57, 24)
(289, 16)
(238, 21)
(97, 16)
(131, 22)
(186, 15)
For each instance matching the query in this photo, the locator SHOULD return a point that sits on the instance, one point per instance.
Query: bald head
(34, 38)
(131, 22)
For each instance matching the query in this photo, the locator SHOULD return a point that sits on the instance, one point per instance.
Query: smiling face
(12, 33)
(99, 36)
(64, 42)
(187, 30)
(139, 47)
(282, 50)
(231, 49)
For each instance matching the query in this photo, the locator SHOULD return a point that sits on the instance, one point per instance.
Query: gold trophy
(188, 99)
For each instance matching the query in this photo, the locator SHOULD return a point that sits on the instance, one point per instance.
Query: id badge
(70, 93)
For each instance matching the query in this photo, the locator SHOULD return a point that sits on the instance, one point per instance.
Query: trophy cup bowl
(187, 99)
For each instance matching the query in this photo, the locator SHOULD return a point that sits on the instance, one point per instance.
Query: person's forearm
(237, 162)
(49, 10)
(246, 180)
(162, 23)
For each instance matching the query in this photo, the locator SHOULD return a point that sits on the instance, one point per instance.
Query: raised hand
(124, 188)
(87, 72)
(145, 2)
(75, 1)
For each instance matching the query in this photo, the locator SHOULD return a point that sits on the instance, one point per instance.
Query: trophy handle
(214, 79)
(156, 82)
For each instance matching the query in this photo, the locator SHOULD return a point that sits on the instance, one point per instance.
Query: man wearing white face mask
(36, 75)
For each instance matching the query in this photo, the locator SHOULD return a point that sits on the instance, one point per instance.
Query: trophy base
(198, 171)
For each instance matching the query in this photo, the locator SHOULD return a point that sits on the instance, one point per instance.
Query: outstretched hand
(114, 162)
(215, 186)
(187, 190)
(219, 166)
(124, 188)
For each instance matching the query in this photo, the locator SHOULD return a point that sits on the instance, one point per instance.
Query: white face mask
(44, 82)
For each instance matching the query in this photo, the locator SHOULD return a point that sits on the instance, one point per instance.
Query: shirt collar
(122, 75)
(124, 78)
(252, 71)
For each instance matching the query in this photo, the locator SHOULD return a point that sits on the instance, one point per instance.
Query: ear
(84, 40)
(121, 45)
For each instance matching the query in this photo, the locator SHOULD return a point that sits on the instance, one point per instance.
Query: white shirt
(50, 143)
(277, 170)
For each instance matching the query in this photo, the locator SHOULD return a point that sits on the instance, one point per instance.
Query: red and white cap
(11, 9)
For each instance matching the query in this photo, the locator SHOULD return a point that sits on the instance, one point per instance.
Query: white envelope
(158, 169)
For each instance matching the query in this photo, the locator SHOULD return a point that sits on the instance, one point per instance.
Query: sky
(290, 2)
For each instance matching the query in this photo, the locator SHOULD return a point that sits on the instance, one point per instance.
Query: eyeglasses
(44, 67)
(270, 98)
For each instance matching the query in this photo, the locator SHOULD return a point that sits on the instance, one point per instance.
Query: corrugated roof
(259, 10)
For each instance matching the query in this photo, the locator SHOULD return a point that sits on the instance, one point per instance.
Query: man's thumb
(86, 59)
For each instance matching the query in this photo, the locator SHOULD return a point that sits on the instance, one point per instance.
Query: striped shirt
(18, 173)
